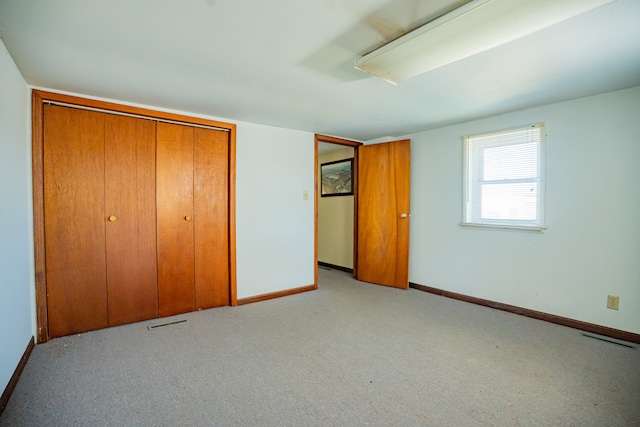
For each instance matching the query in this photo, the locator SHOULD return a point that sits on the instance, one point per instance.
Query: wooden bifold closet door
(192, 202)
(130, 206)
(74, 220)
(99, 202)
(136, 219)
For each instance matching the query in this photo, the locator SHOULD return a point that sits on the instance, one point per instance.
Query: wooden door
(211, 217)
(175, 233)
(74, 222)
(130, 203)
(383, 213)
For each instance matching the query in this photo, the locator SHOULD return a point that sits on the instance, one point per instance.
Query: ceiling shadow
(387, 23)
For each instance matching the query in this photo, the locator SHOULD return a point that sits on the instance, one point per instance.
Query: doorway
(336, 242)
(381, 211)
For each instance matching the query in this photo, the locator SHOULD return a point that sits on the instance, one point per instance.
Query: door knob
(112, 218)
(187, 218)
(403, 215)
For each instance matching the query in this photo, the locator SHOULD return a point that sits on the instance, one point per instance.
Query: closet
(135, 218)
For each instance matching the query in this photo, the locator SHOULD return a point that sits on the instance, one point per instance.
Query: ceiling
(289, 63)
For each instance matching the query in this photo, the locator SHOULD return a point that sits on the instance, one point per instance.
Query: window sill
(539, 229)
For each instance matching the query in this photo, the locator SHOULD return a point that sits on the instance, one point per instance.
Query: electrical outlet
(613, 302)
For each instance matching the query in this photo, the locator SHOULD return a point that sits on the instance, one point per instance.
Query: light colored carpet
(349, 354)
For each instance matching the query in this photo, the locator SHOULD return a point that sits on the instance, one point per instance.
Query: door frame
(347, 143)
(39, 98)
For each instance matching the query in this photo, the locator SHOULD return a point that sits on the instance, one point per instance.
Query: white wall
(275, 226)
(335, 219)
(592, 245)
(16, 219)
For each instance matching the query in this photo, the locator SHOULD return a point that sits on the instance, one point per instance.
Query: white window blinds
(504, 178)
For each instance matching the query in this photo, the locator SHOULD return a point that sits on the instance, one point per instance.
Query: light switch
(305, 194)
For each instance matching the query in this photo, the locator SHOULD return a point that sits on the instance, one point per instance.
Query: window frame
(473, 179)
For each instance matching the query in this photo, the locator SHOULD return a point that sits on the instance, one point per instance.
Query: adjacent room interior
(275, 166)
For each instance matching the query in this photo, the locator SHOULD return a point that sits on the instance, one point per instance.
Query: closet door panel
(174, 193)
(130, 200)
(211, 213)
(74, 220)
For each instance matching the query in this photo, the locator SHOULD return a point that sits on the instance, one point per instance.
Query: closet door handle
(187, 218)
(112, 218)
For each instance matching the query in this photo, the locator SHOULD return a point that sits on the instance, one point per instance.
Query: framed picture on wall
(336, 178)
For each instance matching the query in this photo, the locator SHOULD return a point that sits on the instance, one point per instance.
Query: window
(504, 179)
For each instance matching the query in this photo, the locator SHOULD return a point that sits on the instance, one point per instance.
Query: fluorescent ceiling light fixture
(475, 27)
